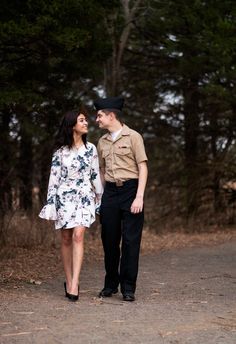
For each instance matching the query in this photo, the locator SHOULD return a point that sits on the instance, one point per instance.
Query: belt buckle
(119, 183)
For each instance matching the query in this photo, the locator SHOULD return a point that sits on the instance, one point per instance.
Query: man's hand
(137, 205)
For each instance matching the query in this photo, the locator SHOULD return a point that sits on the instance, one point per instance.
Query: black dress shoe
(107, 292)
(128, 297)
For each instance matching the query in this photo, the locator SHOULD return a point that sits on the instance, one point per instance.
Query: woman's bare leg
(77, 257)
(66, 254)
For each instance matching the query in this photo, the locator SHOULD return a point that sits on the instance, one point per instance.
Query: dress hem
(76, 225)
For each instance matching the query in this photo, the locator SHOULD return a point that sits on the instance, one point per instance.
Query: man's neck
(115, 127)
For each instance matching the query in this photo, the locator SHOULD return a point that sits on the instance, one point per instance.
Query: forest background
(175, 64)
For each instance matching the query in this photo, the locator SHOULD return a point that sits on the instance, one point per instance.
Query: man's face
(103, 119)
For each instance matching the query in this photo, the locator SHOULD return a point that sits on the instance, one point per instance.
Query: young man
(123, 165)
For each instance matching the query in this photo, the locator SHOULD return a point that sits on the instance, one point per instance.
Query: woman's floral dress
(75, 188)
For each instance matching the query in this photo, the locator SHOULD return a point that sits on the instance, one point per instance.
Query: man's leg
(132, 225)
(111, 236)
(131, 240)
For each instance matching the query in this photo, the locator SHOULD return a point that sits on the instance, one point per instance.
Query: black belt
(120, 183)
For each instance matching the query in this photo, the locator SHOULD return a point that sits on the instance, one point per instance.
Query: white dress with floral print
(75, 188)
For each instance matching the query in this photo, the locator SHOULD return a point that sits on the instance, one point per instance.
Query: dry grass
(42, 263)
(152, 243)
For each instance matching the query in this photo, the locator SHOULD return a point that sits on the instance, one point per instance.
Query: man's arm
(137, 205)
(102, 174)
(101, 164)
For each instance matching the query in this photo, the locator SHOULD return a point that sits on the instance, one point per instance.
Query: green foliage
(178, 75)
(48, 42)
(180, 65)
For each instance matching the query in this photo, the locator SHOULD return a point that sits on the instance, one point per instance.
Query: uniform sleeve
(49, 210)
(138, 148)
(100, 158)
(96, 179)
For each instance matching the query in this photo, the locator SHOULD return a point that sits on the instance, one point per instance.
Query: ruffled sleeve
(49, 211)
(96, 180)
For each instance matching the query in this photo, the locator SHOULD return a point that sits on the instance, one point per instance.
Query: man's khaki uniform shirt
(120, 158)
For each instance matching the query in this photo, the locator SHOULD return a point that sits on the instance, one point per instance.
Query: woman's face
(81, 126)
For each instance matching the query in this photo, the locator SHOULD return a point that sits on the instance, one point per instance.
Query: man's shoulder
(132, 132)
(103, 137)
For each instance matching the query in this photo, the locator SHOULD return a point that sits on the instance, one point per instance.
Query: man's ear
(113, 115)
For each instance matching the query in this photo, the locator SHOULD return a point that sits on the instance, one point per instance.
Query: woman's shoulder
(90, 145)
(60, 150)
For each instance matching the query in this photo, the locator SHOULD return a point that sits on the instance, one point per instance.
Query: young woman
(74, 194)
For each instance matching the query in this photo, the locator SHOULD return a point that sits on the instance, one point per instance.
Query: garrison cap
(109, 103)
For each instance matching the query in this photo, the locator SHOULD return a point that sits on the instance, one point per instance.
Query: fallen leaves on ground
(40, 263)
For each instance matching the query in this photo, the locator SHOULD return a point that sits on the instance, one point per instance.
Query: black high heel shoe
(73, 297)
(66, 294)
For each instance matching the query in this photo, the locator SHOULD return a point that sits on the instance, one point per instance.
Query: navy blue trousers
(119, 225)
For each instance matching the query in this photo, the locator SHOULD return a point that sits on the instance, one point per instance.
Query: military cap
(109, 103)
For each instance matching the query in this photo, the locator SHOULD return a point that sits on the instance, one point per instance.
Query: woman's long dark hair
(65, 133)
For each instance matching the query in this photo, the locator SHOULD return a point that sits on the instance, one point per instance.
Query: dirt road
(183, 296)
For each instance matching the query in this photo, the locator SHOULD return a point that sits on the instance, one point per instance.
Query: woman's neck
(77, 140)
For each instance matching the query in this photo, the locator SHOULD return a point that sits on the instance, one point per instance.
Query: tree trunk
(216, 172)
(25, 165)
(191, 147)
(5, 170)
(112, 73)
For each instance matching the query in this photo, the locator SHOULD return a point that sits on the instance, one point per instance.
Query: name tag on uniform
(123, 146)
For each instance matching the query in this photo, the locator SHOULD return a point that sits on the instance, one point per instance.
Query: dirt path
(183, 296)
